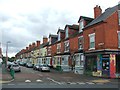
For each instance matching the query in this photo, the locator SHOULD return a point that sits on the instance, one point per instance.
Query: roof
(103, 16)
(85, 18)
(75, 27)
(60, 30)
(51, 35)
(43, 45)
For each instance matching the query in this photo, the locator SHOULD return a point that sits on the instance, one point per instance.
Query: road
(29, 78)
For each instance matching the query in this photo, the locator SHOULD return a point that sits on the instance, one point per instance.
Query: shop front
(103, 64)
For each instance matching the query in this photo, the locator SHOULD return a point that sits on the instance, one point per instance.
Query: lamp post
(7, 52)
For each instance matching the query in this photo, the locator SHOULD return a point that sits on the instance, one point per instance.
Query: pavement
(5, 76)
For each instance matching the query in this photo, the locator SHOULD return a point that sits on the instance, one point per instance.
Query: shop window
(105, 65)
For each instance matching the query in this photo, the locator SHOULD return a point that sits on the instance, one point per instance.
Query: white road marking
(39, 80)
(11, 84)
(54, 80)
(40, 74)
(90, 83)
(27, 81)
(72, 83)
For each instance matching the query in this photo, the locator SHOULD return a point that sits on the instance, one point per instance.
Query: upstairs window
(80, 42)
(66, 33)
(119, 39)
(119, 16)
(92, 41)
(59, 36)
(49, 50)
(81, 25)
(58, 48)
(66, 45)
(50, 40)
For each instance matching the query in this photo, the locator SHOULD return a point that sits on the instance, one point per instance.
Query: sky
(23, 22)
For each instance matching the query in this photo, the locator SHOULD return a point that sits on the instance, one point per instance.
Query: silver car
(16, 67)
(44, 67)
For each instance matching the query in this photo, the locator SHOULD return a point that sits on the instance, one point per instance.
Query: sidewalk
(5, 76)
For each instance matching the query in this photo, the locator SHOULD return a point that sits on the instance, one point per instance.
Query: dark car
(36, 67)
(44, 67)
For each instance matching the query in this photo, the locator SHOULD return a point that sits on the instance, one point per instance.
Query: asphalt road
(29, 78)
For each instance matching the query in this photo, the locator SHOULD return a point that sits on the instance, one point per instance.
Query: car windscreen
(15, 65)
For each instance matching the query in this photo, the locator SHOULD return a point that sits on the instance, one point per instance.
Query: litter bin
(58, 68)
(12, 72)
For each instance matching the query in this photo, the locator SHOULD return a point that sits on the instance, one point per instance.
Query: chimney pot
(97, 11)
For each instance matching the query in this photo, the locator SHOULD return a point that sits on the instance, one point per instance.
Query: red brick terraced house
(67, 61)
(51, 50)
(41, 56)
(59, 48)
(102, 43)
(77, 41)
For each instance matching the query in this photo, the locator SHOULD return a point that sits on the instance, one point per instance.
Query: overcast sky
(25, 21)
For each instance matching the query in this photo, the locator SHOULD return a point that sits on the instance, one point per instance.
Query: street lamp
(7, 51)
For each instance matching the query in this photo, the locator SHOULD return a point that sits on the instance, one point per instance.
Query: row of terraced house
(92, 47)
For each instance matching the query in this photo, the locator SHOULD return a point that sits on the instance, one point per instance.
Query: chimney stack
(45, 40)
(27, 48)
(30, 46)
(38, 43)
(33, 45)
(97, 11)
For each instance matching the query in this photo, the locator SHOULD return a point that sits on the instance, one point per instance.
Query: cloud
(25, 21)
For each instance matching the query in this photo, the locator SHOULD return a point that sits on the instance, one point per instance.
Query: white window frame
(67, 46)
(49, 50)
(58, 47)
(49, 40)
(90, 36)
(119, 17)
(59, 36)
(66, 32)
(81, 25)
(118, 39)
(81, 37)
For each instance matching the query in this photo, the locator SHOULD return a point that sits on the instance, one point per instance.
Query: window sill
(66, 51)
(92, 49)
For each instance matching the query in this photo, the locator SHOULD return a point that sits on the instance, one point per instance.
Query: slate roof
(103, 16)
(60, 30)
(51, 35)
(88, 19)
(75, 27)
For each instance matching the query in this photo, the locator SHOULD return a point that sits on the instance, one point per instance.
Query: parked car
(44, 67)
(36, 67)
(15, 67)
(22, 63)
(29, 65)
